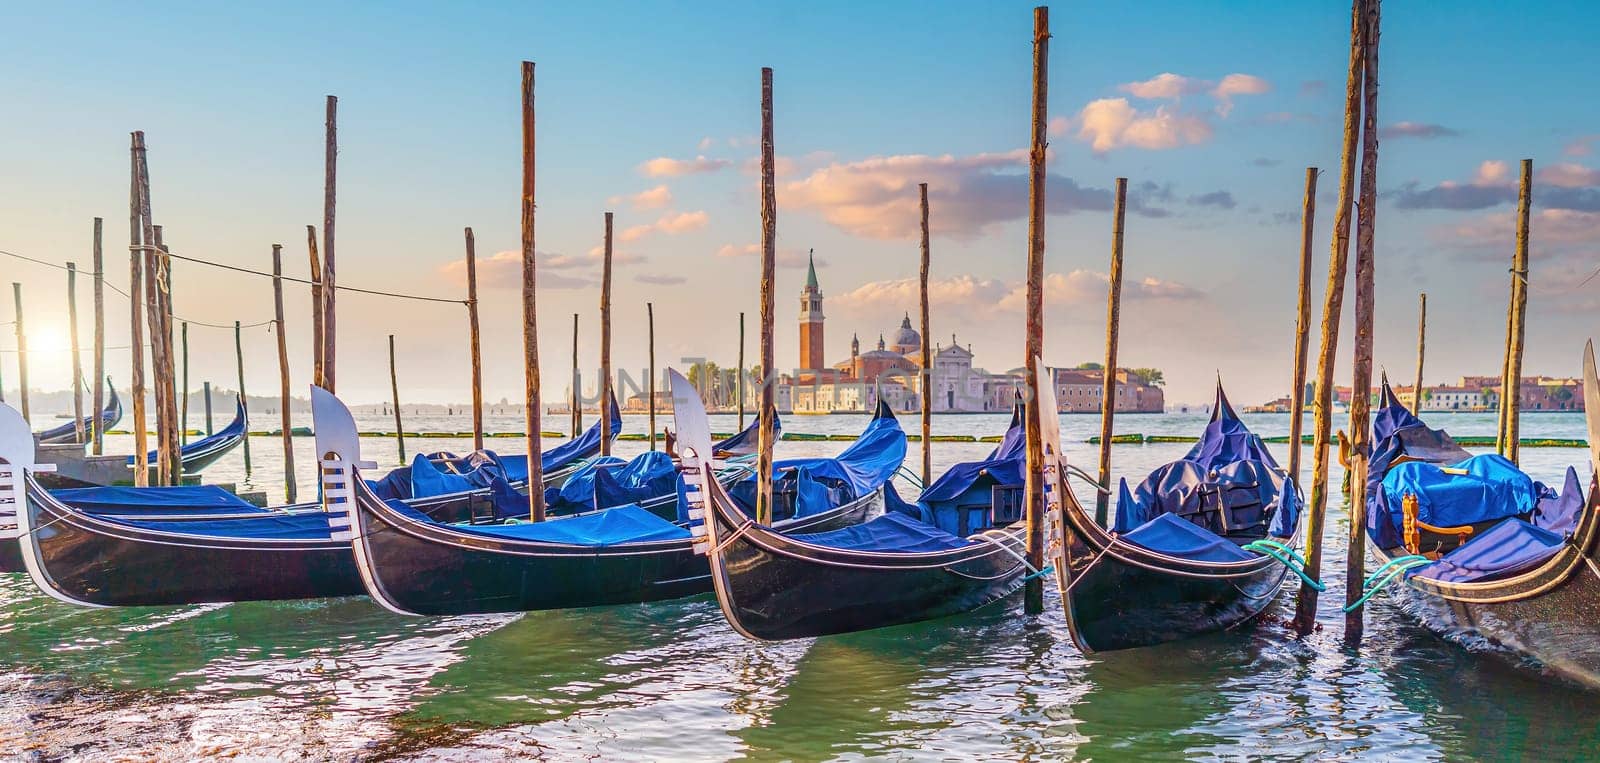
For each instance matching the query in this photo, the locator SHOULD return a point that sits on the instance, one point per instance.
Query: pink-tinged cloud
(1417, 130)
(877, 197)
(1110, 123)
(660, 280)
(1581, 146)
(654, 198)
(504, 269)
(1547, 227)
(669, 167)
(672, 223)
(1165, 86)
(783, 258)
(1235, 85)
(970, 298)
(1568, 175)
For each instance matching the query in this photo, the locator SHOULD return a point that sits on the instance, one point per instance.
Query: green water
(342, 679)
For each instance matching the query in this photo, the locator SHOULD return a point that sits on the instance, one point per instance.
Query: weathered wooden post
(394, 390)
(136, 243)
(183, 399)
(1511, 398)
(927, 348)
(98, 432)
(316, 308)
(1422, 348)
(1361, 384)
(1108, 389)
(743, 380)
(244, 399)
(530, 303)
(1033, 592)
(330, 334)
(289, 486)
(650, 388)
(22, 351)
(1333, 305)
(207, 392)
(576, 412)
(767, 416)
(152, 303)
(77, 363)
(1302, 326)
(472, 333)
(605, 344)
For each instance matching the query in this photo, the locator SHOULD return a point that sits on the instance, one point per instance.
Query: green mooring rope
(1283, 554)
(1386, 575)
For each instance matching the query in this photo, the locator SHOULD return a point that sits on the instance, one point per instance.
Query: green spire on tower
(811, 276)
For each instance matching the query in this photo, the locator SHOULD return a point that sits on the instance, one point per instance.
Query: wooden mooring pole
(183, 398)
(605, 344)
(289, 486)
(206, 386)
(1332, 307)
(97, 434)
(22, 350)
(1422, 349)
(650, 387)
(1302, 326)
(1108, 391)
(743, 372)
(1033, 591)
(316, 308)
(1511, 399)
(472, 337)
(1361, 383)
(330, 173)
(78, 434)
(530, 304)
(394, 391)
(244, 399)
(576, 411)
(767, 415)
(136, 243)
(926, 382)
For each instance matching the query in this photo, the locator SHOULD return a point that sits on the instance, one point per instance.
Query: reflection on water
(342, 678)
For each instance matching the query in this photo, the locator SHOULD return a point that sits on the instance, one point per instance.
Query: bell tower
(811, 320)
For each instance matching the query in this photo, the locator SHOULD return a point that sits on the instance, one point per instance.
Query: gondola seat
(1173, 535)
(1473, 492)
(890, 533)
(1510, 547)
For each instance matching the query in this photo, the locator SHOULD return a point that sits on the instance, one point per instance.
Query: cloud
(1553, 230)
(1417, 130)
(1236, 85)
(1265, 162)
(972, 298)
(654, 198)
(1220, 199)
(1583, 145)
(668, 167)
(1313, 87)
(877, 197)
(1165, 86)
(783, 258)
(660, 280)
(706, 142)
(672, 223)
(504, 269)
(1109, 123)
(1568, 175)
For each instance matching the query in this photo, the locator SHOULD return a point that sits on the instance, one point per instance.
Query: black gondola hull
(432, 570)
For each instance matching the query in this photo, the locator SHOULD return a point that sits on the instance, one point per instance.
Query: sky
(650, 110)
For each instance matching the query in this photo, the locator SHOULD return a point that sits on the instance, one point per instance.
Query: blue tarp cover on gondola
(821, 484)
(612, 527)
(649, 475)
(577, 493)
(188, 499)
(310, 525)
(1509, 547)
(889, 533)
(966, 486)
(1487, 488)
(1396, 432)
(233, 431)
(1228, 481)
(1174, 536)
(1560, 514)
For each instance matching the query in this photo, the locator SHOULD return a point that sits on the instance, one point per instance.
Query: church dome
(907, 339)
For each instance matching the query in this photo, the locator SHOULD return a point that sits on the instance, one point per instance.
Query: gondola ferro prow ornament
(693, 438)
(1591, 404)
(17, 455)
(338, 456)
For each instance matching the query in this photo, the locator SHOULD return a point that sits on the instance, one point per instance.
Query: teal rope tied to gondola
(1286, 556)
(1386, 575)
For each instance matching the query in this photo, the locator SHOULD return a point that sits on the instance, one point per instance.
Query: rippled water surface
(344, 679)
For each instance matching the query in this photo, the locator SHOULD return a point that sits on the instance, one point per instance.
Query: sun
(48, 339)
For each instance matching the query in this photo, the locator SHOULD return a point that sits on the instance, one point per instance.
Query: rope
(1400, 565)
(1032, 571)
(1283, 554)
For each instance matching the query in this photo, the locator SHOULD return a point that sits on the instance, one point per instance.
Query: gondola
(1485, 551)
(412, 564)
(205, 451)
(1179, 560)
(68, 432)
(891, 570)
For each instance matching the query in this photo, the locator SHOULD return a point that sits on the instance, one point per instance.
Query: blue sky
(871, 99)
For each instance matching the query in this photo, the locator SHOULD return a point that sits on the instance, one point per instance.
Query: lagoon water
(343, 679)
